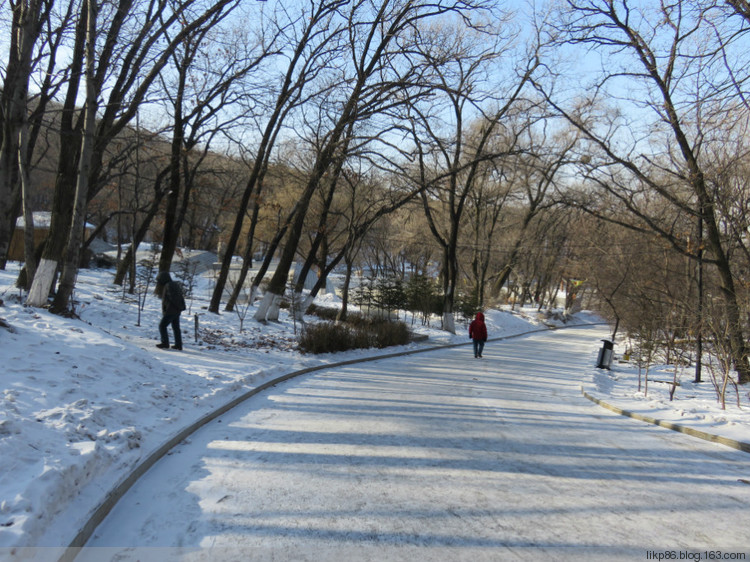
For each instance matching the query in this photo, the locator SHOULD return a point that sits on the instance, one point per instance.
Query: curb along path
(740, 445)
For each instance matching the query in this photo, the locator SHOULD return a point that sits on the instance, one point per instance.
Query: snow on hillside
(85, 400)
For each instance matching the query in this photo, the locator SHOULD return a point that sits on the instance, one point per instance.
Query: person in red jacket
(478, 333)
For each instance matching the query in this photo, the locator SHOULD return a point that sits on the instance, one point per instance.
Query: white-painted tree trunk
(302, 303)
(273, 309)
(42, 284)
(268, 309)
(262, 311)
(449, 324)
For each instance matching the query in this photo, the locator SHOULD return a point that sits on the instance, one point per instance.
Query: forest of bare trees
(592, 152)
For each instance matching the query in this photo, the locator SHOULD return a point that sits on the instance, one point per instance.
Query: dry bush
(330, 337)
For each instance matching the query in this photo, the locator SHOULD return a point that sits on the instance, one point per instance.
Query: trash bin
(605, 355)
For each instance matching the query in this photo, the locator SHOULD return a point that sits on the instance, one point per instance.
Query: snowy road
(437, 456)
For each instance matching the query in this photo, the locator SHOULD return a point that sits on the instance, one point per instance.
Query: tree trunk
(343, 313)
(26, 24)
(171, 222)
(267, 259)
(319, 284)
(78, 226)
(247, 262)
(65, 182)
(289, 93)
(320, 233)
(140, 233)
(28, 231)
(250, 188)
(268, 309)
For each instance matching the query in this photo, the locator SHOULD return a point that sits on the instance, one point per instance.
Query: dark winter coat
(478, 329)
(172, 300)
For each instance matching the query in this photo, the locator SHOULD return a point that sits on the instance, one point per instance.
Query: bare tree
(314, 36)
(652, 147)
(209, 72)
(365, 199)
(132, 52)
(487, 202)
(30, 25)
(452, 154)
(72, 255)
(536, 173)
(128, 262)
(370, 80)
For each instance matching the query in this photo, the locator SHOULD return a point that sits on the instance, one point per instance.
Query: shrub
(358, 320)
(330, 337)
(467, 305)
(390, 333)
(324, 313)
(326, 337)
(423, 297)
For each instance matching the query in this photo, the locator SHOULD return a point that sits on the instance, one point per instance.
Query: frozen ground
(434, 456)
(84, 401)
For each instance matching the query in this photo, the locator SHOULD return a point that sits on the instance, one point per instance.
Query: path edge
(706, 436)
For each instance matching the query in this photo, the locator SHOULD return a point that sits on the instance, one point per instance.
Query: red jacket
(477, 328)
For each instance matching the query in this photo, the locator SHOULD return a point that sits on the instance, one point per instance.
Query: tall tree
(134, 48)
(375, 74)
(463, 63)
(77, 228)
(536, 173)
(313, 36)
(486, 205)
(665, 72)
(204, 100)
(27, 23)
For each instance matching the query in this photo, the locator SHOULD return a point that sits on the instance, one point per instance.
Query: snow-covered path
(436, 456)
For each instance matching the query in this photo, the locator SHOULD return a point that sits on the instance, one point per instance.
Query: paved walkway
(436, 456)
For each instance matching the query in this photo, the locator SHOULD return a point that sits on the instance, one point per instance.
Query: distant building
(41, 228)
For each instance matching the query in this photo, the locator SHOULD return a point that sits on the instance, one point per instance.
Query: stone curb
(739, 445)
(114, 495)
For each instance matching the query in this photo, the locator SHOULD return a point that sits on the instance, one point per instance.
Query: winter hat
(163, 278)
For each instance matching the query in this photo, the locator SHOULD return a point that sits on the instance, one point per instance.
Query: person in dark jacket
(478, 333)
(172, 305)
